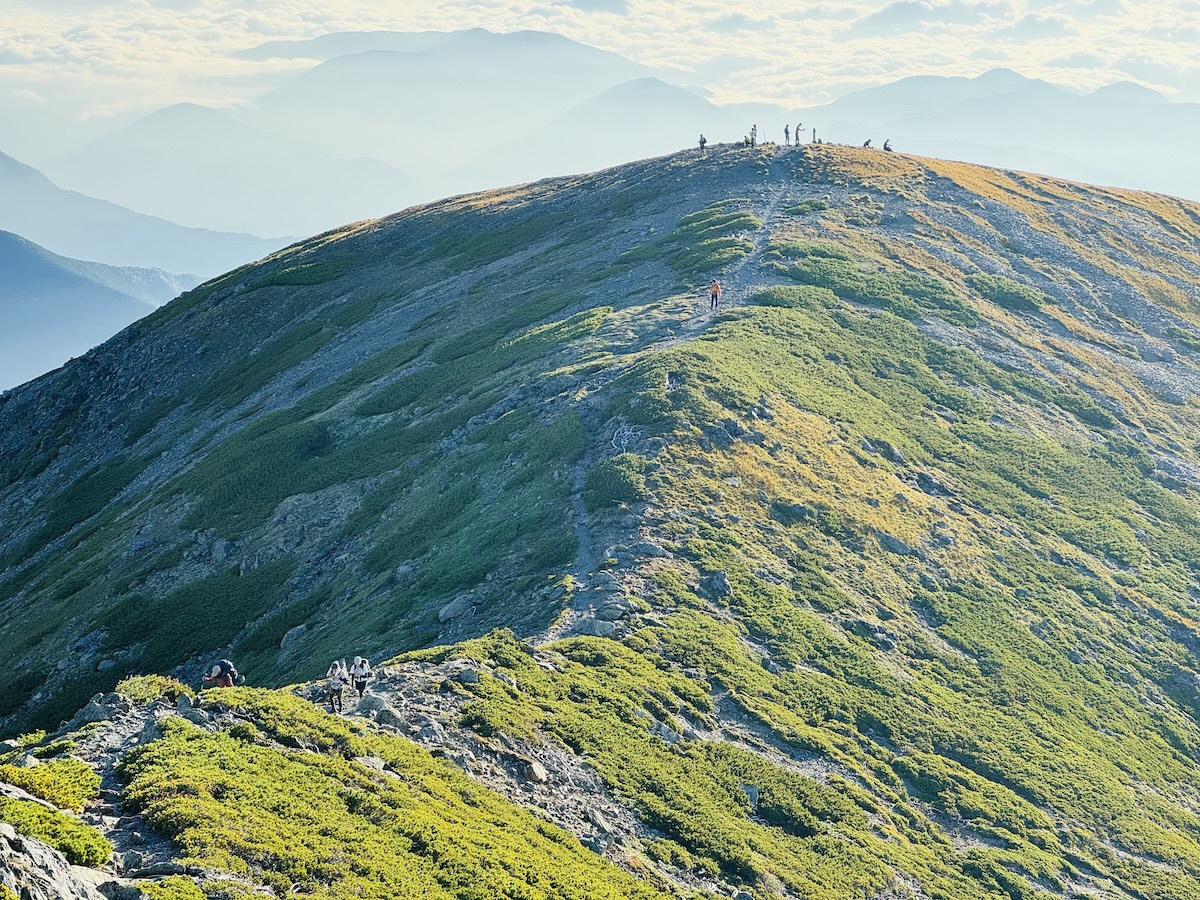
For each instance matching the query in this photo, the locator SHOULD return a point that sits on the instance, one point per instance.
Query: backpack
(228, 668)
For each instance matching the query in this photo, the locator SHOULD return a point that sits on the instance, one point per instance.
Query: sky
(96, 62)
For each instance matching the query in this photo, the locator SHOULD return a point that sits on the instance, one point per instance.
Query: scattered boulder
(893, 544)
(371, 762)
(457, 607)
(536, 772)
(751, 792)
(717, 585)
(291, 636)
(666, 733)
(617, 608)
(600, 823)
(467, 676)
(389, 718)
(370, 703)
(595, 628)
(932, 486)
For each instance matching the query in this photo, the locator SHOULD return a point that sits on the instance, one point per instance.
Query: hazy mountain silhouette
(1122, 134)
(434, 109)
(53, 308)
(637, 119)
(83, 227)
(202, 166)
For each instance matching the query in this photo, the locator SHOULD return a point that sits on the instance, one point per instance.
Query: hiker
(703, 143)
(887, 145)
(360, 672)
(714, 294)
(223, 674)
(799, 125)
(787, 137)
(753, 135)
(338, 679)
(866, 143)
(746, 140)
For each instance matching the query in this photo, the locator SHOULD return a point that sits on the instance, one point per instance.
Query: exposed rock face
(34, 871)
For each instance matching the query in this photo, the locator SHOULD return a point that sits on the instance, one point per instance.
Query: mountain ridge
(902, 538)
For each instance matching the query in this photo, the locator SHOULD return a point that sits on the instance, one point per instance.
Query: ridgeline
(878, 582)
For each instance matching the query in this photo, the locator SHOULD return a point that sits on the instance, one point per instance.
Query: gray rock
(34, 871)
(932, 486)
(651, 549)
(595, 628)
(612, 610)
(27, 761)
(197, 716)
(600, 822)
(9, 745)
(667, 733)
(291, 636)
(183, 702)
(751, 792)
(467, 676)
(459, 606)
(370, 703)
(536, 772)
(893, 544)
(105, 664)
(371, 762)
(717, 585)
(389, 718)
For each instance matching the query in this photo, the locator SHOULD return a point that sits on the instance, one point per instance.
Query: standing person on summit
(753, 135)
(787, 137)
(360, 673)
(714, 294)
(799, 125)
(703, 143)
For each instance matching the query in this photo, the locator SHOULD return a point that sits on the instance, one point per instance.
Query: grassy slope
(936, 459)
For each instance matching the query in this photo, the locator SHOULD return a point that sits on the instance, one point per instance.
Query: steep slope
(83, 227)
(880, 582)
(202, 166)
(54, 308)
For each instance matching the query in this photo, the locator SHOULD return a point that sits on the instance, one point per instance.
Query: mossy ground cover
(329, 827)
(65, 783)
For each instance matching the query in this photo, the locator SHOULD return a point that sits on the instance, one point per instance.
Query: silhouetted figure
(746, 140)
(866, 143)
(814, 140)
(753, 135)
(887, 145)
(787, 136)
(703, 143)
(714, 294)
(799, 125)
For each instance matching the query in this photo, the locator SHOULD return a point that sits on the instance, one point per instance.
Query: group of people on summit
(751, 139)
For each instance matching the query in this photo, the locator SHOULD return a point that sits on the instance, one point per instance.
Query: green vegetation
(340, 829)
(148, 688)
(807, 207)
(1007, 293)
(927, 593)
(704, 243)
(174, 887)
(81, 844)
(67, 783)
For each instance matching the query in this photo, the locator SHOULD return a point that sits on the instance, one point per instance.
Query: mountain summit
(879, 581)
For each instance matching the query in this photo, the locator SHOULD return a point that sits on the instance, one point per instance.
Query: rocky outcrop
(34, 871)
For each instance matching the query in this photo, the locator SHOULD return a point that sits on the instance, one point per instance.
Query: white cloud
(131, 56)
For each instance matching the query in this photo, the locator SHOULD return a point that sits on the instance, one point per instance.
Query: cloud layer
(106, 60)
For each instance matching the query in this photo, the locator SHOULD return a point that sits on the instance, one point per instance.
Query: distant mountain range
(53, 308)
(83, 227)
(1123, 134)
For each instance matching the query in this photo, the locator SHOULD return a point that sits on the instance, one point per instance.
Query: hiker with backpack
(787, 136)
(338, 679)
(360, 673)
(703, 143)
(714, 294)
(223, 674)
